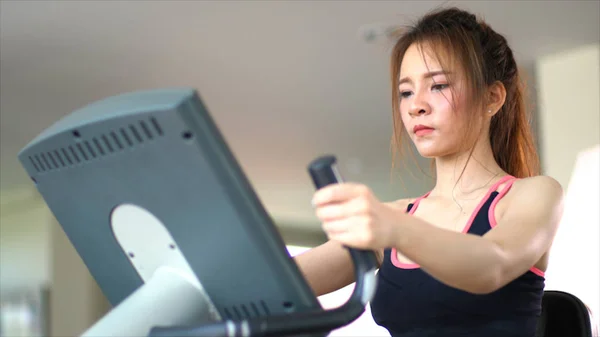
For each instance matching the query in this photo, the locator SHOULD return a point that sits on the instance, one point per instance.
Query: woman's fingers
(339, 231)
(336, 193)
(352, 207)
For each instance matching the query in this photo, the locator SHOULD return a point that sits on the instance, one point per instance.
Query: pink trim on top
(537, 271)
(394, 254)
(494, 223)
(491, 211)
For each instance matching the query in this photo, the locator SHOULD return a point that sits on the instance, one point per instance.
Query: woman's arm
(326, 268)
(329, 266)
(484, 264)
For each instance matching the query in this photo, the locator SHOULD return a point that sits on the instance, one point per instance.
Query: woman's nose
(418, 111)
(419, 106)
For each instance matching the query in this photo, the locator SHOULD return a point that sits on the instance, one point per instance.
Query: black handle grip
(324, 171)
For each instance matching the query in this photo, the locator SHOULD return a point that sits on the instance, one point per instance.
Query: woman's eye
(405, 94)
(439, 86)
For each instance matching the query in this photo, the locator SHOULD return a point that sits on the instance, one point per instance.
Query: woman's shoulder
(539, 190)
(538, 185)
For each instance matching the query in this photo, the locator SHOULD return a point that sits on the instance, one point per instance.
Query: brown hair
(485, 58)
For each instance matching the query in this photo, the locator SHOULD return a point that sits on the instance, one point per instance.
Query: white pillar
(569, 108)
(569, 100)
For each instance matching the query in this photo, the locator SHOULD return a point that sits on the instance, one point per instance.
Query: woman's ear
(496, 97)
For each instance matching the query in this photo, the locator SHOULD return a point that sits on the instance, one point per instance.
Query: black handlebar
(323, 172)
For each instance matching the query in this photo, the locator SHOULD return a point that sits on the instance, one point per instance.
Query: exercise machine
(148, 192)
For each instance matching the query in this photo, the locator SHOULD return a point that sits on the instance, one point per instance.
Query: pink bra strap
(415, 203)
(501, 194)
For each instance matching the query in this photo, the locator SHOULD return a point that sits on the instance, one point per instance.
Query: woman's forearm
(464, 261)
(326, 268)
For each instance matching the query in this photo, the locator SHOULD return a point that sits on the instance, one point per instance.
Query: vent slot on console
(97, 146)
(244, 311)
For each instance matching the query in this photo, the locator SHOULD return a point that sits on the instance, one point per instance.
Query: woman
(467, 258)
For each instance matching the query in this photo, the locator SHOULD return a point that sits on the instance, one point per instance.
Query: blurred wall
(35, 254)
(24, 240)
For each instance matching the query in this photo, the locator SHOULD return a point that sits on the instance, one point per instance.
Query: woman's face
(427, 105)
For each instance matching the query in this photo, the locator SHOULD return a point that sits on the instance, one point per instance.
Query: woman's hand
(352, 215)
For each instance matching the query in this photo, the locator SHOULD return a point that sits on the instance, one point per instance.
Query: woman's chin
(429, 152)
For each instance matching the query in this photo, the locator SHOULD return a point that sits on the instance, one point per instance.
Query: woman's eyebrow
(425, 76)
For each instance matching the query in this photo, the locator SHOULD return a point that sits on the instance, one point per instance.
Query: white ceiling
(285, 81)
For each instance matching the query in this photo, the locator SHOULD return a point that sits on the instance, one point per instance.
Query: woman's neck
(464, 174)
